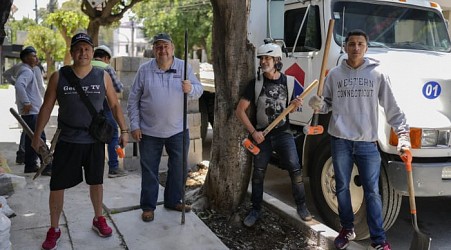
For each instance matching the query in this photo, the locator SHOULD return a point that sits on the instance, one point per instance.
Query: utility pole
(36, 10)
(133, 37)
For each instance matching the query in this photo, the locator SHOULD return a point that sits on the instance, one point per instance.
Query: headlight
(425, 138)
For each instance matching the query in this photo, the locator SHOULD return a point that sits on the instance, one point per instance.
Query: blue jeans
(368, 161)
(113, 163)
(151, 149)
(31, 156)
(283, 143)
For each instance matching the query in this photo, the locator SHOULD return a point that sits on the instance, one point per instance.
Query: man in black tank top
(76, 150)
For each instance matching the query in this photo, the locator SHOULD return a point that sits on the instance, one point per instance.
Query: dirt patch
(270, 232)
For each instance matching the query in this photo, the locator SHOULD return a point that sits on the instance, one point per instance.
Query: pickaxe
(44, 151)
(315, 128)
(249, 145)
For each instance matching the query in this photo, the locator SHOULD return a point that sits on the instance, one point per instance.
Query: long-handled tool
(420, 241)
(185, 111)
(249, 145)
(315, 128)
(44, 151)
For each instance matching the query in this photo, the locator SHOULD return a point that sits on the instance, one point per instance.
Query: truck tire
(322, 185)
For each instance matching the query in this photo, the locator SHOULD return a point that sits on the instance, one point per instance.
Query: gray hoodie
(27, 90)
(353, 96)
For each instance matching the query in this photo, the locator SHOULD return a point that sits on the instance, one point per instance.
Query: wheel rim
(329, 191)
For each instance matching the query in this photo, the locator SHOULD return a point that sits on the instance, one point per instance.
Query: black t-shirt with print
(273, 99)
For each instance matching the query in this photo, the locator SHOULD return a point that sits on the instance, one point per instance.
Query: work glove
(403, 142)
(316, 102)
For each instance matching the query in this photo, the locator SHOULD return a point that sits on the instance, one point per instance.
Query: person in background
(77, 153)
(10, 75)
(155, 108)
(29, 101)
(270, 101)
(102, 57)
(353, 130)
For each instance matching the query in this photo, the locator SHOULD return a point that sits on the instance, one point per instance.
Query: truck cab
(411, 41)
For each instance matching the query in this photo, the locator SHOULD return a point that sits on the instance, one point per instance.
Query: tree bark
(233, 62)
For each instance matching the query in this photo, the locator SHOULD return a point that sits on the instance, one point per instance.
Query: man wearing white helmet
(102, 57)
(271, 97)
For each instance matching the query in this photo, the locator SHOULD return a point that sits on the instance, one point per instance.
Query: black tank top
(73, 115)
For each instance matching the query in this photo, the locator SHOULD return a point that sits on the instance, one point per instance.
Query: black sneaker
(20, 157)
(304, 213)
(252, 217)
(343, 238)
(116, 173)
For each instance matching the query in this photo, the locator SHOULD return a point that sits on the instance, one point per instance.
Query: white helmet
(104, 48)
(269, 49)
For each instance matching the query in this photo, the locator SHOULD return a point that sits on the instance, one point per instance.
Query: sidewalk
(121, 206)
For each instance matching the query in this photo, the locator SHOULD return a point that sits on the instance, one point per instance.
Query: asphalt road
(433, 214)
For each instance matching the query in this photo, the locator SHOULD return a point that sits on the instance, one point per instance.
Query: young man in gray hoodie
(352, 91)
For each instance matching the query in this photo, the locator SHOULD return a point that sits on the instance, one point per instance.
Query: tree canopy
(68, 23)
(49, 44)
(105, 14)
(173, 17)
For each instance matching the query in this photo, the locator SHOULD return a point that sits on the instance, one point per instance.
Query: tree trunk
(233, 63)
(93, 31)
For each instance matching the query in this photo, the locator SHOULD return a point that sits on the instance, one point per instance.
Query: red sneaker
(383, 246)
(101, 227)
(51, 241)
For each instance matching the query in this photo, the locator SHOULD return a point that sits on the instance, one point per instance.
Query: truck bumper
(429, 179)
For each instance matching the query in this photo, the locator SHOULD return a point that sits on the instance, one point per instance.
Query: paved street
(433, 214)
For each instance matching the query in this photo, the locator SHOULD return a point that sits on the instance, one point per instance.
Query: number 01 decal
(432, 90)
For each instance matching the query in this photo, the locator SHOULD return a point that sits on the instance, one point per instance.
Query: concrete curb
(319, 235)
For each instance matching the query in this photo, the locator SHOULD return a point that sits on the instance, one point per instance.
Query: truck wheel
(322, 184)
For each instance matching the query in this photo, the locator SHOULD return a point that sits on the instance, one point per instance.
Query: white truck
(410, 39)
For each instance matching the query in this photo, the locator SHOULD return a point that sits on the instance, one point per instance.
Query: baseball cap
(27, 50)
(161, 37)
(104, 48)
(81, 37)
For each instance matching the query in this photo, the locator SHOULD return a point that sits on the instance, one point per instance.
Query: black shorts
(69, 161)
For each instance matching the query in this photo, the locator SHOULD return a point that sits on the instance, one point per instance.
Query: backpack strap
(258, 88)
(290, 87)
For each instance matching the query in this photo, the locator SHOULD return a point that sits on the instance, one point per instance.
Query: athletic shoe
(252, 217)
(51, 241)
(304, 213)
(383, 246)
(116, 173)
(101, 227)
(343, 238)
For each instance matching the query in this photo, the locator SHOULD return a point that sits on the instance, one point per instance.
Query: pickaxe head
(250, 146)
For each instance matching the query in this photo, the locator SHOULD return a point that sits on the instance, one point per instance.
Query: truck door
(303, 41)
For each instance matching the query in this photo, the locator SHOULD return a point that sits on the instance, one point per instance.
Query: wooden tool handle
(322, 76)
(289, 108)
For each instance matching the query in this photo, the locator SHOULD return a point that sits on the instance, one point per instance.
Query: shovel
(420, 241)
